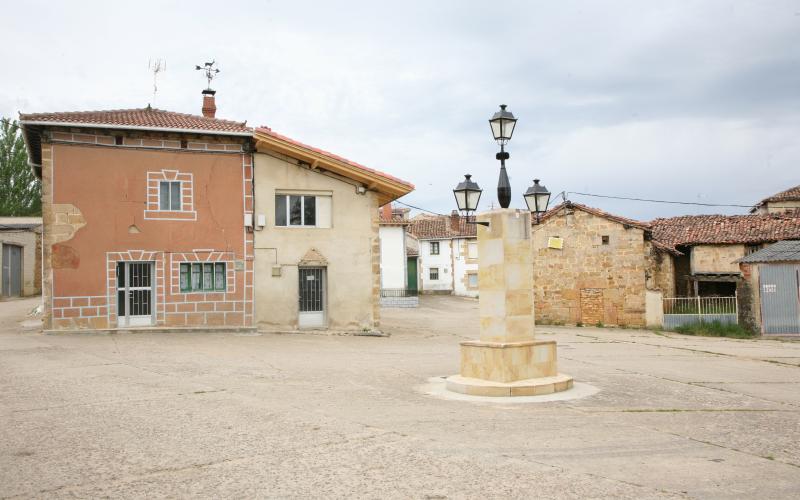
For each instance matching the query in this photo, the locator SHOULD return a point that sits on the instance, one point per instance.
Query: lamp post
(502, 125)
(507, 359)
(537, 197)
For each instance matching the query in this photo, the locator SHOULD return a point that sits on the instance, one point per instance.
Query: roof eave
(387, 189)
(136, 127)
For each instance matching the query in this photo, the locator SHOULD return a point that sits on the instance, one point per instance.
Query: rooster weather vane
(210, 71)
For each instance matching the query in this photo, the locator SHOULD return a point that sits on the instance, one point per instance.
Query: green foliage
(20, 190)
(579, 324)
(715, 329)
(599, 324)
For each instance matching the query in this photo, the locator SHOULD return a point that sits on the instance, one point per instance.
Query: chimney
(455, 221)
(386, 212)
(209, 105)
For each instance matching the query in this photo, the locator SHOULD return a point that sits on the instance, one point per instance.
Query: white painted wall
(443, 261)
(465, 262)
(393, 256)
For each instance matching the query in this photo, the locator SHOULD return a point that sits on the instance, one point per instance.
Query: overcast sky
(689, 101)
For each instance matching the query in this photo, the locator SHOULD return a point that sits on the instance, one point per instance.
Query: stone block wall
(592, 279)
(716, 258)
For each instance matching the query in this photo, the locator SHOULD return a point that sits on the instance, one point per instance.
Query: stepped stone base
(526, 368)
(529, 387)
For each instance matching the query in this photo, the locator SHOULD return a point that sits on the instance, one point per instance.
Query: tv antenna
(210, 71)
(156, 66)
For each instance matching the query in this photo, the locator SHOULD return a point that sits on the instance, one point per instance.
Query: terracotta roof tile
(270, 132)
(146, 118)
(594, 211)
(440, 227)
(725, 229)
(791, 194)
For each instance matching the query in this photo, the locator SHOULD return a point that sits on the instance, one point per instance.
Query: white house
(448, 254)
(398, 287)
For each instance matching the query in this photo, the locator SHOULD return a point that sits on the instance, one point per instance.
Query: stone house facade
(592, 267)
(448, 254)
(317, 247)
(705, 248)
(144, 215)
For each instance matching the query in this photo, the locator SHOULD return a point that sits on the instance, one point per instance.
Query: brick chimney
(209, 104)
(455, 220)
(386, 212)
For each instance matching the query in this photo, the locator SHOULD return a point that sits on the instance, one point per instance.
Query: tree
(20, 190)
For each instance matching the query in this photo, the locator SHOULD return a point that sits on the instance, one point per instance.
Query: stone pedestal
(507, 360)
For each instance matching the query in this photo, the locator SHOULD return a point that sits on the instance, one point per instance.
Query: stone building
(448, 254)
(592, 267)
(785, 201)
(21, 257)
(705, 248)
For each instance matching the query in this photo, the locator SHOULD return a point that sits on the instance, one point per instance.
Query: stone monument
(507, 360)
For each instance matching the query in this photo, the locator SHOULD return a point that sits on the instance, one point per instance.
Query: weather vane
(210, 70)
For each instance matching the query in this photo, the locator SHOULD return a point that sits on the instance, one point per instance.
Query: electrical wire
(697, 203)
(418, 208)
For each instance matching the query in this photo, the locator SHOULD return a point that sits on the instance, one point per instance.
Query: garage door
(780, 298)
(12, 271)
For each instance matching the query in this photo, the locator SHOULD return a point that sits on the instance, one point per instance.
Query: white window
(299, 210)
(169, 196)
(434, 248)
(434, 273)
(472, 280)
(472, 250)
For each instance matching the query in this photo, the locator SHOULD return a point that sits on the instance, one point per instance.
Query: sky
(694, 101)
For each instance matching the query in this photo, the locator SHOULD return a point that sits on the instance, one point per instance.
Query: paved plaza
(306, 415)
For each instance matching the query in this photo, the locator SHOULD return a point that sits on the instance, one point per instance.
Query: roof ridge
(147, 109)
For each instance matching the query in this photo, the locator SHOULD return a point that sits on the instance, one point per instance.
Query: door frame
(128, 320)
(313, 319)
(5, 272)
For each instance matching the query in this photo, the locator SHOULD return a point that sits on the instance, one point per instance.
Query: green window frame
(203, 277)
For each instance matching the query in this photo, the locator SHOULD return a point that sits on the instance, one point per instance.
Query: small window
(118, 140)
(605, 239)
(434, 273)
(184, 143)
(203, 277)
(295, 210)
(472, 250)
(169, 196)
(472, 280)
(434, 248)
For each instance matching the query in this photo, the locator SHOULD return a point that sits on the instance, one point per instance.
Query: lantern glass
(537, 197)
(502, 124)
(467, 194)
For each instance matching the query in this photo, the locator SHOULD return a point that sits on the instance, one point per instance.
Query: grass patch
(715, 329)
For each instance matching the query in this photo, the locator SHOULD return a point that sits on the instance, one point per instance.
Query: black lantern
(537, 197)
(502, 124)
(467, 194)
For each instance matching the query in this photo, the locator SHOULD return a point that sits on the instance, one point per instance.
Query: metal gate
(780, 298)
(312, 297)
(12, 271)
(135, 293)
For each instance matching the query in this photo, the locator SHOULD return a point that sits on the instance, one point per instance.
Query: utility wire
(418, 208)
(666, 201)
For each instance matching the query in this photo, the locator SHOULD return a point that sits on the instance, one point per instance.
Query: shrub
(715, 329)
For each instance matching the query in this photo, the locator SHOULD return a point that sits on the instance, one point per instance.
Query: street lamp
(502, 125)
(467, 194)
(537, 197)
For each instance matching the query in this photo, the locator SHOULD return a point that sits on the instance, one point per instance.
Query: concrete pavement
(244, 415)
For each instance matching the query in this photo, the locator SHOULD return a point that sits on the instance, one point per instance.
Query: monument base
(530, 387)
(525, 368)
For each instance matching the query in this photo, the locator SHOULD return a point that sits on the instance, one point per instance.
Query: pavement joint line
(730, 448)
(694, 384)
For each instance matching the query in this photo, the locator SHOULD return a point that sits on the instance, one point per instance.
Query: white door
(135, 293)
(312, 297)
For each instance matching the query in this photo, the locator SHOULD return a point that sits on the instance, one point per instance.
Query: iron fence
(680, 311)
(398, 292)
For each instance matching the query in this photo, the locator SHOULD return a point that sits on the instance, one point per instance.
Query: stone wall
(748, 299)
(660, 271)
(716, 258)
(589, 281)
